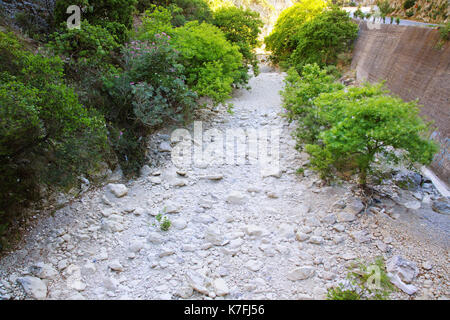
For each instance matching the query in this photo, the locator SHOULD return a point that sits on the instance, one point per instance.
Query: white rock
(145, 171)
(427, 265)
(405, 269)
(220, 287)
(329, 219)
(115, 265)
(119, 190)
(179, 224)
(165, 147)
(213, 236)
(253, 230)
(406, 288)
(301, 273)
(155, 237)
(349, 256)
(172, 207)
(344, 216)
(285, 230)
(316, 240)
(34, 287)
(43, 271)
(254, 265)
(300, 236)
(413, 205)
(355, 206)
(198, 281)
(236, 197)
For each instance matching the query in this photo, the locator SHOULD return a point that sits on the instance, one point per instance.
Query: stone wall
(414, 67)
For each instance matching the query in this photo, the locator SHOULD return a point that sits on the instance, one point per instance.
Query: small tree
(365, 122)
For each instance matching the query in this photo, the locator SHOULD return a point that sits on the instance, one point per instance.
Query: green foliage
(366, 282)
(241, 27)
(408, 4)
(88, 53)
(323, 38)
(188, 10)
(163, 221)
(282, 41)
(114, 15)
(385, 7)
(150, 92)
(46, 136)
(156, 20)
(444, 31)
(363, 123)
(212, 64)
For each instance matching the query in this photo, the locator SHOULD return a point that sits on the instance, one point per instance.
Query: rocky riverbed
(237, 232)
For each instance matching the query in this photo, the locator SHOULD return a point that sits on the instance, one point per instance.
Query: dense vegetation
(84, 98)
(311, 32)
(346, 130)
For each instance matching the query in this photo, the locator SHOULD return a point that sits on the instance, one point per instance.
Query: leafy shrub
(189, 10)
(323, 38)
(150, 92)
(363, 123)
(410, 13)
(212, 64)
(114, 15)
(155, 20)
(298, 95)
(242, 28)
(282, 41)
(46, 136)
(88, 53)
(444, 31)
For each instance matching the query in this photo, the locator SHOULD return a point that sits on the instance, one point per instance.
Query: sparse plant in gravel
(364, 282)
(163, 222)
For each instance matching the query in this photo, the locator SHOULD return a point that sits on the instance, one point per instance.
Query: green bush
(155, 20)
(114, 15)
(212, 64)
(149, 93)
(189, 10)
(241, 27)
(88, 53)
(363, 123)
(298, 95)
(282, 41)
(46, 136)
(323, 38)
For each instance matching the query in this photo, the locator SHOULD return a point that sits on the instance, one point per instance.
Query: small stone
(198, 281)
(254, 265)
(427, 265)
(179, 224)
(339, 227)
(349, 256)
(405, 269)
(43, 271)
(213, 177)
(213, 236)
(355, 206)
(316, 240)
(301, 273)
(119, 190)
(115, 265)
(253, 230)
(155, 238)
(413, 205)
(172, 207)
(220, 287)
(236, 197)
(155, 180)
(345, 216)
(165, 147)
(329, 219)
(300, 236)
